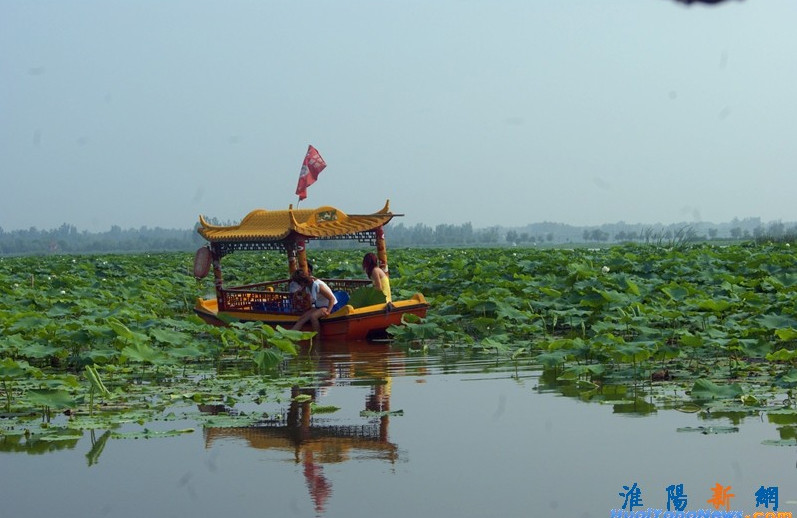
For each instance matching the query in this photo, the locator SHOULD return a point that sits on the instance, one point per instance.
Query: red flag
(311, 167)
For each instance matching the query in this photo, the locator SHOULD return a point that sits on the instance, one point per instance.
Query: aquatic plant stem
(8, 396)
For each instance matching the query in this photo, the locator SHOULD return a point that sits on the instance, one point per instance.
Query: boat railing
(264, 297)
(274, 297)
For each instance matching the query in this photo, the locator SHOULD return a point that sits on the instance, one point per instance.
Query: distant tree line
(67, 239)
(448, 235)
(750, 229)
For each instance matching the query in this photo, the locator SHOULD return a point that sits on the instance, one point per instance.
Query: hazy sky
(494, 112)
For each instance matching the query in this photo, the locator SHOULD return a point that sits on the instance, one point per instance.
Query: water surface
(444, 435)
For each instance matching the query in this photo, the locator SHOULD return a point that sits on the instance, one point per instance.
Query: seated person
(322, 299)
(300, 298)
(378, 276)
(294, 286)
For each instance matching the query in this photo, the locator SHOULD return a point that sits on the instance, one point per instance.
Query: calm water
(443, 436)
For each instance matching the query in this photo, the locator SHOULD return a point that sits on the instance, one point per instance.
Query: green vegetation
(95, 342)
(100, 341)
(715, 326)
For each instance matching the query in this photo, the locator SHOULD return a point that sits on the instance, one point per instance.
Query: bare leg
(302, 320)
(312, 316)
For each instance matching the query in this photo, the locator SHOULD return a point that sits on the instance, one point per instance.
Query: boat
(289, 232)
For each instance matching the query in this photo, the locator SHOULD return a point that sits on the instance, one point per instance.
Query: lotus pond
(378, 430)
(543, 381)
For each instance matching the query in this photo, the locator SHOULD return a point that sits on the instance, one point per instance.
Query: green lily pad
(150, 434)
(709, 430)
(323, 409)
(704, 389)
(780, 442)
(372, 413)
(53, 398)
(366, 296)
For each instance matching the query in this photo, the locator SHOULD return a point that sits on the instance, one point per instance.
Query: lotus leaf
(144, 353)
(786, 334)
(704, 389)
(50, 398)
(366, 296)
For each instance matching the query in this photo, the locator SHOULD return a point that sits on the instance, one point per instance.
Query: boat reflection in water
(316, 440)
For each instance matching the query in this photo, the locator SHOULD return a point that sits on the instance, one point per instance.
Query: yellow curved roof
(276, 225)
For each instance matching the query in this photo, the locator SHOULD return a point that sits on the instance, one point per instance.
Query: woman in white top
(323, 300)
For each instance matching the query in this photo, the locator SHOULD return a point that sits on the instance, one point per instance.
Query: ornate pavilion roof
(264, 226)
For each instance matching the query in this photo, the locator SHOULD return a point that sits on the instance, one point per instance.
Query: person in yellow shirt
(378, 276)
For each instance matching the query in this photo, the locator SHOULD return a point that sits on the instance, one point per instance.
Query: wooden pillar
(381, 249)
(297, 255)
(218, 281)
(290, 248)
(301, 253)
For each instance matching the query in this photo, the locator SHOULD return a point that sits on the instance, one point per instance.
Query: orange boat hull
(347, 323)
